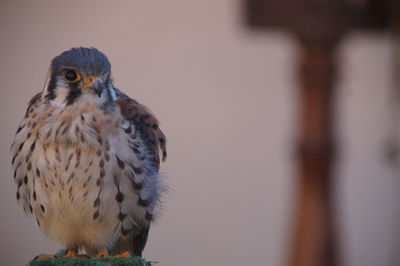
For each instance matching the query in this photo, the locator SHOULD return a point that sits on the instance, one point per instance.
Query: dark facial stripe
(74, 93)
(51, 87)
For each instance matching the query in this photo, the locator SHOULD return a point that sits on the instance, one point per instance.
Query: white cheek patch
(61, 92)
(46, 83)
(112, 93)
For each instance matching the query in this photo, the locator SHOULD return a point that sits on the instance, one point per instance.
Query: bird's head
(79, 75)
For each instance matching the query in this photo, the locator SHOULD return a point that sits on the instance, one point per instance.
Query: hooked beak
(94, 83)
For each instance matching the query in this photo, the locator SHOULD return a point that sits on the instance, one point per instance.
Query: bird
(86, 160)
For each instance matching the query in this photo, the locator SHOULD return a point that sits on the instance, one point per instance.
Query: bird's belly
(74, 189)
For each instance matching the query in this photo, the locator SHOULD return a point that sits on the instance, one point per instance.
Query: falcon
(86, 159)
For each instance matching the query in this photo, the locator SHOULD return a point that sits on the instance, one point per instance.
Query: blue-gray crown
(89, 60)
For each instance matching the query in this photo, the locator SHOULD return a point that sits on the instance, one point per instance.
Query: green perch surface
(134, 261)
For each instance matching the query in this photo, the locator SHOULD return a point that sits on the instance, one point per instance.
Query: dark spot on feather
(98, 182)
(33, 146)
(29, 167)
(34, 195)
(138, 170)
(148, 216)
(20, 146)
(128, 130)
(124, 231)
(15, 174)
(82, 118)
(137, 186)
(70, 177)
(42, 208)
(99, 139)
(102, 173)
(121, 164)
(86, 170)
(121, 216)
(101, 163)
(37, 172)
(14, 157)
(19, 183)
(107, 157)
(65, 129)
(34, 125)
(18, 196)
(119, 197)
(19, 129)
(59, 128)
(98, 152)
(38, 222)
(154, 126)
(49, 133)
(136, 150)
(107, 145)
(29, 135)
(96, 215)
(143, 203)
(96, 202)
(69, 161)
(145, 116)
(30, 208)
(26, 179)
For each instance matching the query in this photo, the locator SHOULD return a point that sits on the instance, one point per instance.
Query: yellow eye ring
(72, 76)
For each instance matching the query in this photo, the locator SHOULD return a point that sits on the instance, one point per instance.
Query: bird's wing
(147, 124)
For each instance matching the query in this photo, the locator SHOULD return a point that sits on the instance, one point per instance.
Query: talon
(102, 253)
(45, 256)
(125, 254)
(71, 254)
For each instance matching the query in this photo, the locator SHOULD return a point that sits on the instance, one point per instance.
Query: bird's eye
(72, 76)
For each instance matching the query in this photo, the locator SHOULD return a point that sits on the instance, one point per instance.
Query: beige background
(226, 99)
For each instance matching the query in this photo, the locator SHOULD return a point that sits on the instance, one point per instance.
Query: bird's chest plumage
(80, 173)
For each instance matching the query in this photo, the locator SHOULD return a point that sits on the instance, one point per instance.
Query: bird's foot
(102, 253)
(71, 254)
(125, 254)
(45, 256)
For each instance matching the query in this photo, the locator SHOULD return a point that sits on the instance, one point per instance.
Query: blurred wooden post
(319, 26)
(314, 243)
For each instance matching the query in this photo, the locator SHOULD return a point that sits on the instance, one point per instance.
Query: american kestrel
(86, 159)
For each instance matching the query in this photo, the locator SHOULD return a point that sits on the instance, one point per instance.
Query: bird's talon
(102, 253)
(45, 257)
(71, 254)
(125, 254)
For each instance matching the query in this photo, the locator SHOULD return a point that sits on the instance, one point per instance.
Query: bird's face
(80, 75)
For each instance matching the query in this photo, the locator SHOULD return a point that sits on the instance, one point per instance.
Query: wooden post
(314, 243)
(319, 26)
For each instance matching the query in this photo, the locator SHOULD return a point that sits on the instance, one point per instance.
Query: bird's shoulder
(147, 125)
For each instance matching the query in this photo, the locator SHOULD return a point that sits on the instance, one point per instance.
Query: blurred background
(228, 100)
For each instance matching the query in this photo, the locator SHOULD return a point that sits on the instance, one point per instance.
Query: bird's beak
(94, 83)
